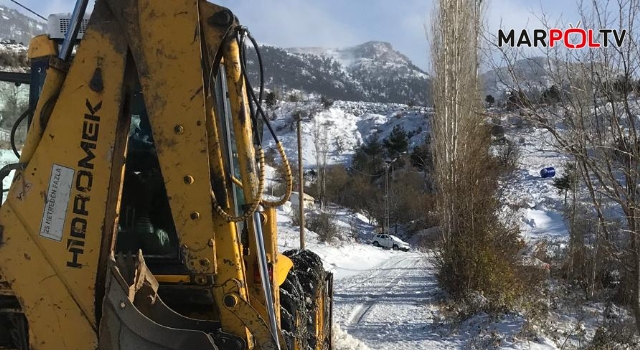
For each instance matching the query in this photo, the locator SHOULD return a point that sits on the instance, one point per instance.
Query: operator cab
(145, 217)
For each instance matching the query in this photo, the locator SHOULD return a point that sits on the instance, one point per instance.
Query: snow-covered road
(388, 306)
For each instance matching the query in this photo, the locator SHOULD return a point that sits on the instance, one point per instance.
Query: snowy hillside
(16, 26)
(344, 126)
(372, 71)
(532, 75)
(367, 58)
(532, 72)
(391, 300)
(13, 56)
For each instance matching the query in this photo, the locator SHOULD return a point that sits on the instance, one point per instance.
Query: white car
(390, 241)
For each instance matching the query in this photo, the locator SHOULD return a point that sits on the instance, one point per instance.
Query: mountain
(535, 74)
(372, 72)
(18, 27)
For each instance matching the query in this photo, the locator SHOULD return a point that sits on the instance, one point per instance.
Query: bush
(326, 102)
(509, 156)
(466, 267)
(490, 100)
(280, 186)
(293, 97)
(14, 59)
(295, 216)
(271, 157)
(271, 99)
(615, 332)
(323, 225)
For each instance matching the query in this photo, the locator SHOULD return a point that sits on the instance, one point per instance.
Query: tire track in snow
(354, 282)
(361, 311)
(386, 307)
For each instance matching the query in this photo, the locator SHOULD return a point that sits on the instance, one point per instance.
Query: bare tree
(454, 88)
(478, 252)
(14, 103)
(595, 122)
(15, 100)
(321, 145)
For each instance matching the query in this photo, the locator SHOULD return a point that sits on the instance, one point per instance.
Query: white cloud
(60, 6)
(292, 23)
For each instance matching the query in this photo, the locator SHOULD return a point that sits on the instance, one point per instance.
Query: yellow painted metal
(56, 75)
(51, 264)
(42, 46)
(181, 115)
(248, 314)
(229, 248)
(281, 264)
(243, 136)
(319, 317)
(241, 123)
(282, 268)
(165, 44)
(261, 309)
(173, 278)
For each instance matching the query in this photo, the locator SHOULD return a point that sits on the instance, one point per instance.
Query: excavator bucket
(134, 316)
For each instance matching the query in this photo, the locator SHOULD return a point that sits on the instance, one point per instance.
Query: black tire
(375, 243)
(311, 274)
(395, 247)
(293, 311)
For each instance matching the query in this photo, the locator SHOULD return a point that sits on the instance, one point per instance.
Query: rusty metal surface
(125, 325)
(248, 316)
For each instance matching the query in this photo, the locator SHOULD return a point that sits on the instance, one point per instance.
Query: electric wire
(28, 9)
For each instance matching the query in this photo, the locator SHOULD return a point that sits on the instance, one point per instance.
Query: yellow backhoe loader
(135, 217)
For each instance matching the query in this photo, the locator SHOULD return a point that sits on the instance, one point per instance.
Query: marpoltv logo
(572, 38)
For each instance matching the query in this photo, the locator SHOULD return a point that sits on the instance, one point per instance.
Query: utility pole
(386, 193)
(386, 198)
(300, 183)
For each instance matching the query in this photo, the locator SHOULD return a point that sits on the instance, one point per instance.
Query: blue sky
(336, 23)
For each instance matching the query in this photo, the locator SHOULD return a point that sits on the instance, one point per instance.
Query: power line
(28, 9)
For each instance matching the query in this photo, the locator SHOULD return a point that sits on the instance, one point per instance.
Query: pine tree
(271, 99)
(373, 147)
(566, 182)
(397, 142)
(490, 100)
(368, 158)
